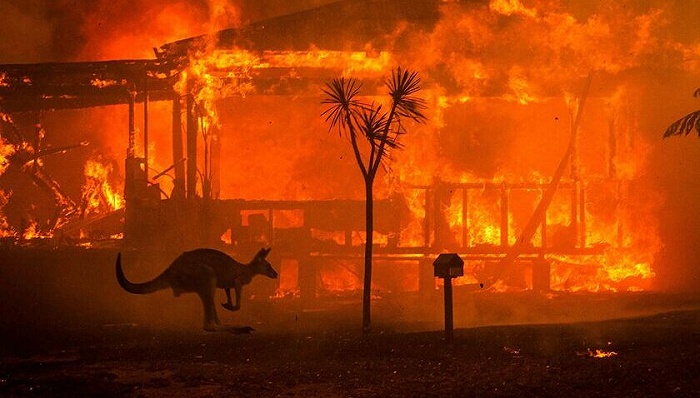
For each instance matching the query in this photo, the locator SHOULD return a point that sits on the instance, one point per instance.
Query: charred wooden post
(428, 221)
(543, 225)
(541, 270)
(574, 174)
(145, 123)
(178, 150)
(504, 215)
(465, 227)
(131, 169)
(582, 215)
(215, 160)
(132, 126)
(191, 145)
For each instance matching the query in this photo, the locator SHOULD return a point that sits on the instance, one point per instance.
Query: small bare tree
(380, 129)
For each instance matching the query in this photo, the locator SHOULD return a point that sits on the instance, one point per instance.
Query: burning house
(530, 166)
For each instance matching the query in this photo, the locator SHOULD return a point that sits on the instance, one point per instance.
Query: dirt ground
(68, 330)
(656, 355)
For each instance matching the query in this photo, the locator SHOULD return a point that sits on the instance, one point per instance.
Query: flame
(599, 353)
(350, 63)
(509, 61)
(510, 7)
(340, 276)
(521, 88)
(6, 151)
(226, 237)
(103, 83)
(222, 73)
(98, 194)
(33, 231)
(413, 233)
(289, 279)
(5, 230)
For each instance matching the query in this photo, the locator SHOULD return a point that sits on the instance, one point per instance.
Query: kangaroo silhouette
(202, 271)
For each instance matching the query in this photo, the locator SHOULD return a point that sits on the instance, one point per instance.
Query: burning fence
(250, 161)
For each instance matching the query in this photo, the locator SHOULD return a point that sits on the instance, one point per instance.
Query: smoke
(26, 32)
(67, 30)
(501, 78)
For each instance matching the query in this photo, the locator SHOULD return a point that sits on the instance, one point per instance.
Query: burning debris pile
(505, 85)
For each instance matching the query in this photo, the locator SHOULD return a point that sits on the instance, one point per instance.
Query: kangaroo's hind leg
(206, 294)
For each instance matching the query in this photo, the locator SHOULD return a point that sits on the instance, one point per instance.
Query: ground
(67, 329)
(652, 355)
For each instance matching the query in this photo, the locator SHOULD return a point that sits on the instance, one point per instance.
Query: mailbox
(448, 265)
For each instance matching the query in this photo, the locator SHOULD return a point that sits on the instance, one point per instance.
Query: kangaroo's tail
(156, 284)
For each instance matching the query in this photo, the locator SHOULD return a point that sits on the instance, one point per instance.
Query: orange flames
(98, 195)
(599, 353)
(502, 82)
(216, 74)
(5, 229)
(102, 83)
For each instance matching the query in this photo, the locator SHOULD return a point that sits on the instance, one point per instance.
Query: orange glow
(501, 108)
(226, 237)
(510, 7)
(98, 194)
(413, 233)
(5, 229)
(340, 276)
(102, 83)
(216, 74)
(33, 232)
(289, 279)
(598, 353)
(6, 150)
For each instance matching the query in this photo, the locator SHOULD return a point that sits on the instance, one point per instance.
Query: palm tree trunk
(369, 232)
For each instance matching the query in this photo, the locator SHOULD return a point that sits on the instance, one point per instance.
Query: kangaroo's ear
(264, 252)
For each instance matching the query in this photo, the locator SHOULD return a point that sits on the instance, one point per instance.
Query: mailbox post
(448, 266)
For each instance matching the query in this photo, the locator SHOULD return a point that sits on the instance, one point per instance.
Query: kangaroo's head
(262, 266)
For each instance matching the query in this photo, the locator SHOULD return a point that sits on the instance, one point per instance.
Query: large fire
(503, 80)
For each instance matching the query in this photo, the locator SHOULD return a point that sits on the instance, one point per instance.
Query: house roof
(339, 26)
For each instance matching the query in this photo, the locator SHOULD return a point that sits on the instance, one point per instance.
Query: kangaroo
(201, 271)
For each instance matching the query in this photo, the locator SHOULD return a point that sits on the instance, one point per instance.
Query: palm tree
(380, 129)
(686, 124)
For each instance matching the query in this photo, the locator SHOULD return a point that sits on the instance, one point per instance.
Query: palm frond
(341, 96)
(684, 125)
(376, 129)
(373, 122)
(402, 87)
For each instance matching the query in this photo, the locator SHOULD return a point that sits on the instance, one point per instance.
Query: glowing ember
(598, 353)
(102, 83)
(6, 151)
(226, 237)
